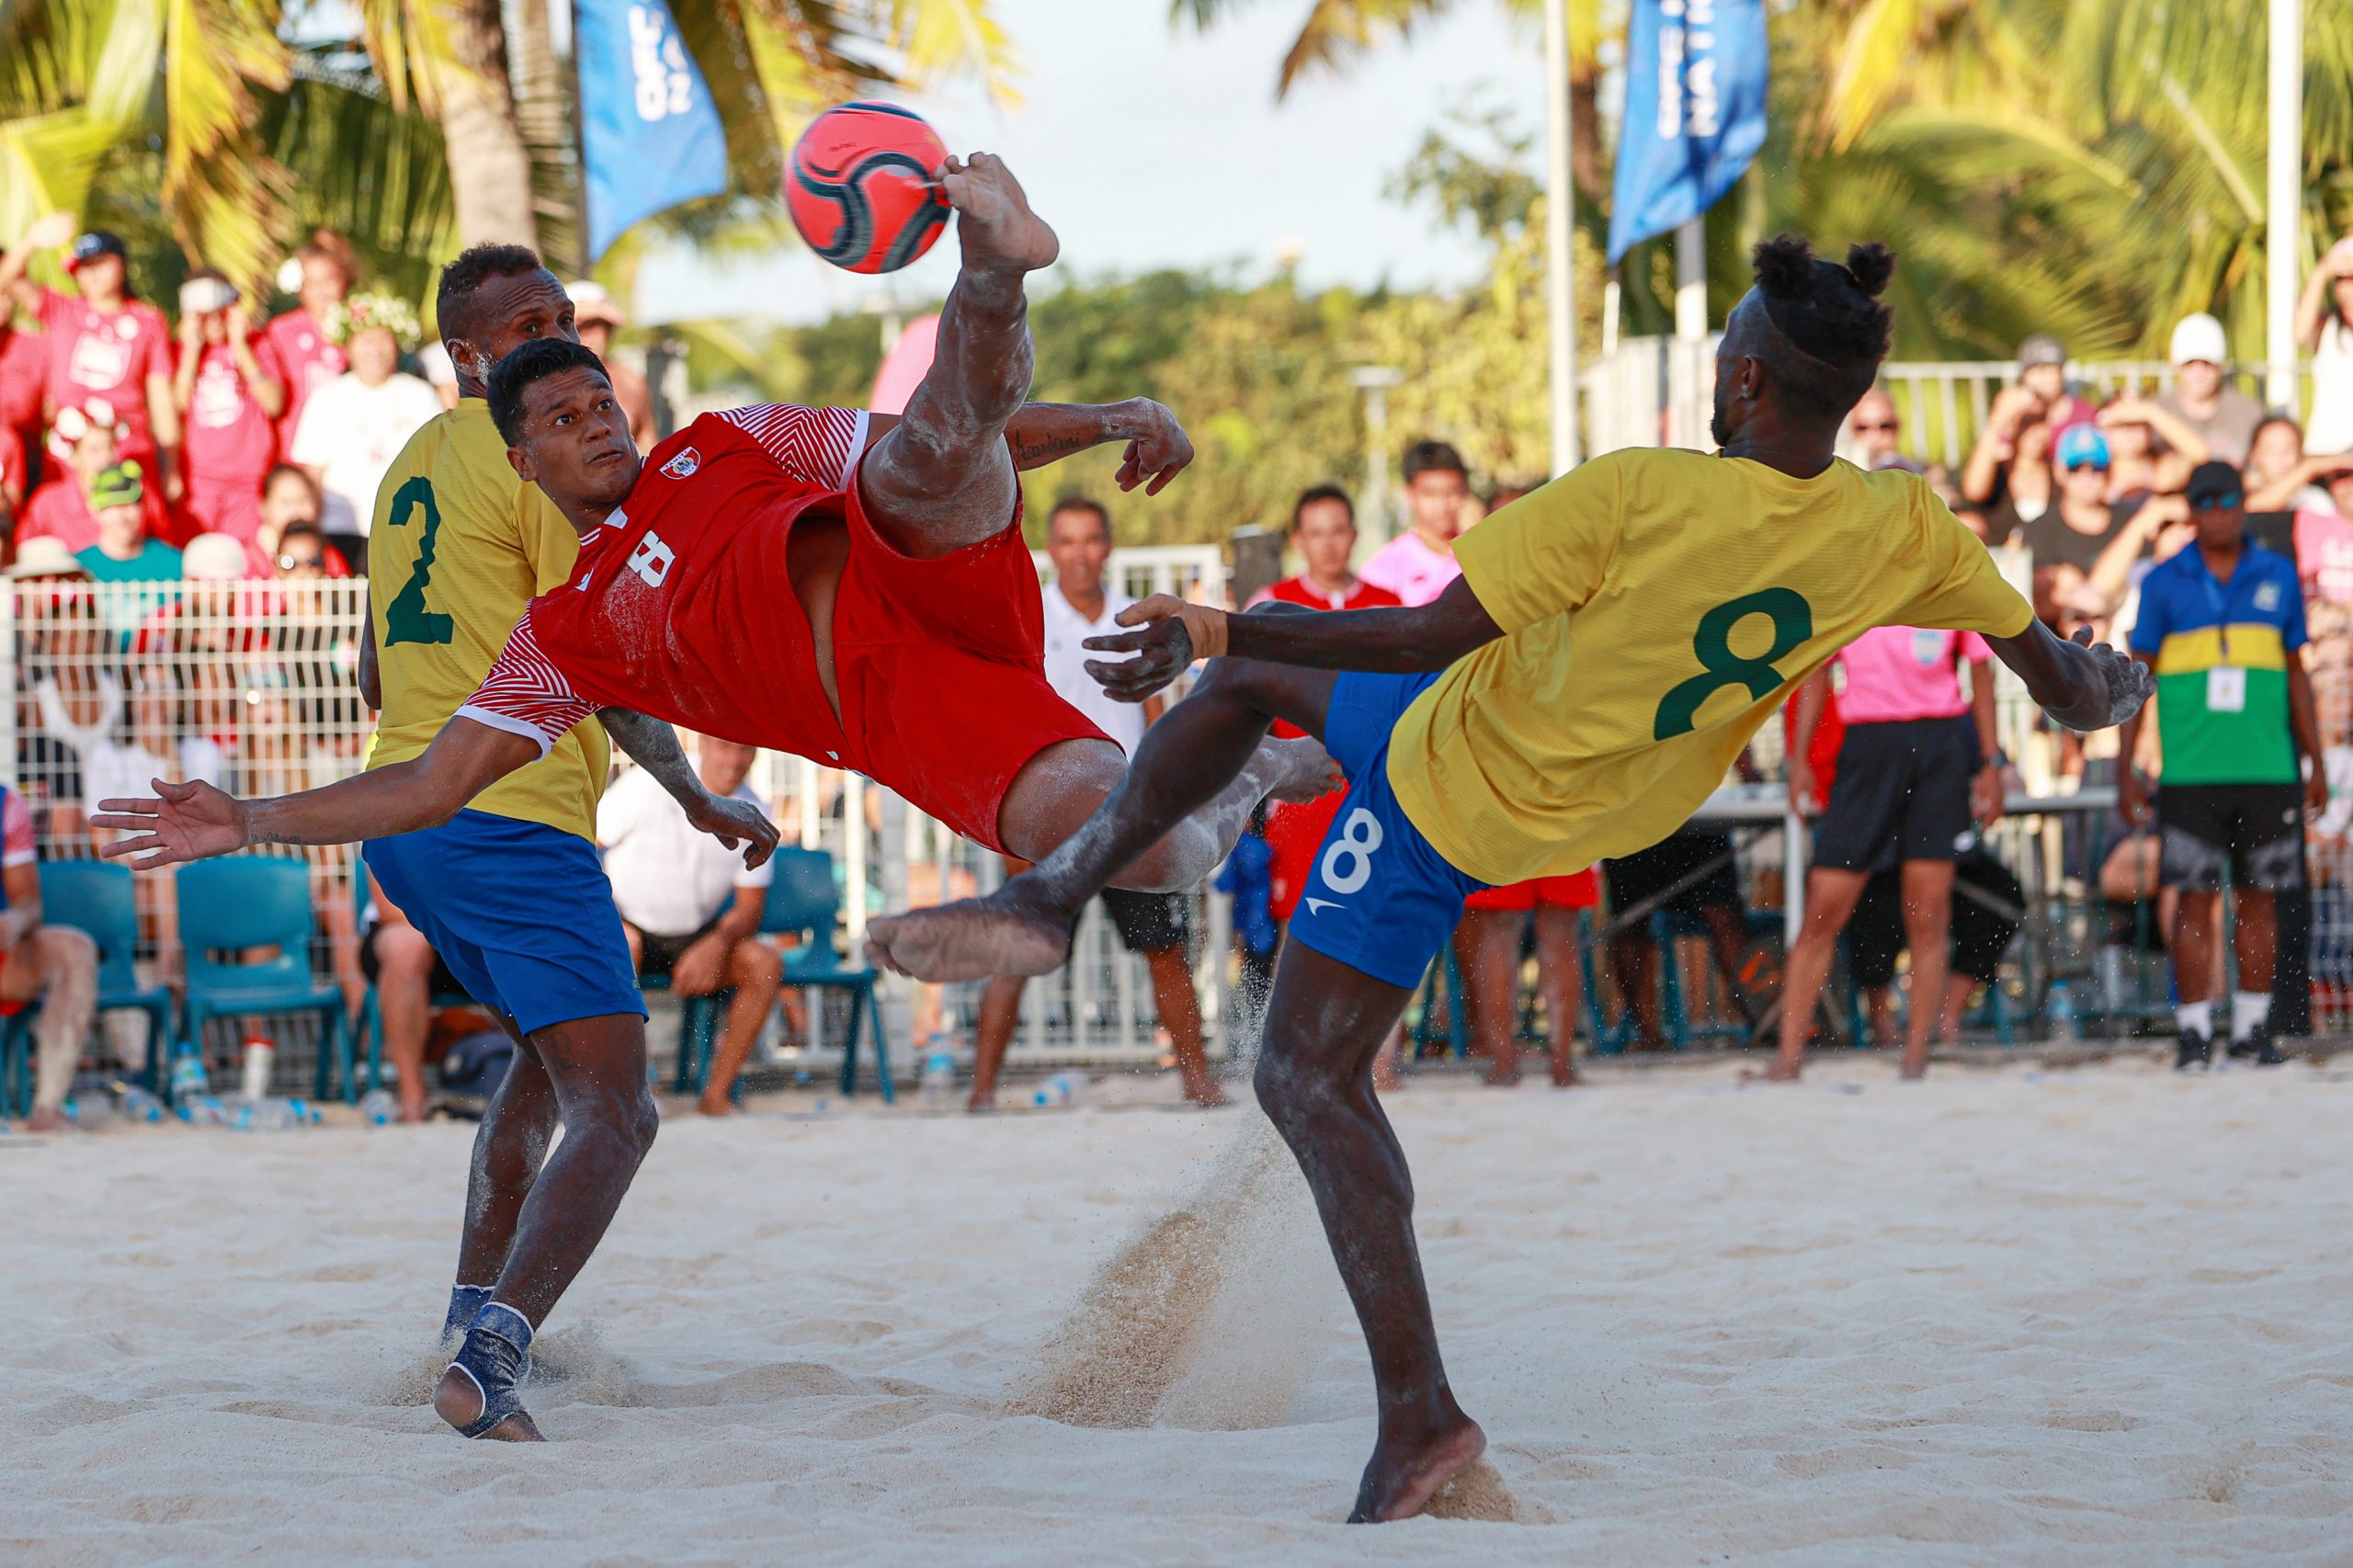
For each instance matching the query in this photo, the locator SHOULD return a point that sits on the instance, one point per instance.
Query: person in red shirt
(24, 361)
(768, 576)
(103, 343)
(82, 444)
(298, 337)
(229, 389)
(14, 478)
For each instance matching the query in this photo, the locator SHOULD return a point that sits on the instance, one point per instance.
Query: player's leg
(510, 1145)
(993, 1036)
(1927, 930)
(1830, 899)
(1561, 980)
(1486, 946)
(1154, 926)
(404, 962)
(58, 966)
(2192, 857)
(941, 478)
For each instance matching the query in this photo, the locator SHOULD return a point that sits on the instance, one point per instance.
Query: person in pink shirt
(103, 343)
(82, 444)
(1417, 564)
(1919, 762)
(298, 337)
(230, 390)
(13, 477)
(24, 362)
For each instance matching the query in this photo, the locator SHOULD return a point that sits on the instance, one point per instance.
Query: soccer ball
(860, 186)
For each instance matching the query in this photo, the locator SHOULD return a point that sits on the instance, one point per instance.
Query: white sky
(1148, 145)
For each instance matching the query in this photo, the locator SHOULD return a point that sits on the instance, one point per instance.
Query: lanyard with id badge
(2226, 682)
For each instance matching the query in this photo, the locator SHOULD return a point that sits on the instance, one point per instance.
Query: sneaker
(2258, 1047)
(2195, 1051)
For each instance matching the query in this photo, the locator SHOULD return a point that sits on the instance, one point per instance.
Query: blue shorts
(1381, 899)
(520, 911)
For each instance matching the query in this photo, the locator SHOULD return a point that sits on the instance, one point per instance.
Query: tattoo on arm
(652, 744)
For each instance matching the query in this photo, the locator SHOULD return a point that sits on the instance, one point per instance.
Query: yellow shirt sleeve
(1964, 590)
(548, 539)
(1546, 552)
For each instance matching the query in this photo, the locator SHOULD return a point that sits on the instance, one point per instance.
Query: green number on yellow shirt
(406, 618)
(1792, 620)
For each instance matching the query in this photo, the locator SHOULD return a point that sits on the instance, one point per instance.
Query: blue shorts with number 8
(1381, 899)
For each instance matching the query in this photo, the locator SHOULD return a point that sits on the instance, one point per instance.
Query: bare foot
(722, 1105)
(47, 1118)
(1206, 1093)
(1009, 932)
(1565, 1075)
(1309, 773)
(999, 233)
(1780, 1073)
(981, 1104)
(1401, 1478)
(457, 1399)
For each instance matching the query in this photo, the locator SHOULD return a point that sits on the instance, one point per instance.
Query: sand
(2095, 1317)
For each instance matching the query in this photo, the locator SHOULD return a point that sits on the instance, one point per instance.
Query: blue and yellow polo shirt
(2221, 653)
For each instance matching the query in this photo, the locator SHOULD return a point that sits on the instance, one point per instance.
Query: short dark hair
(1314, 492)
(1081, 504)
(281, 470)
(304, 530)
(1434, 457)
(534, 362)
(473, 268)
(326, 244)
(1831, 314)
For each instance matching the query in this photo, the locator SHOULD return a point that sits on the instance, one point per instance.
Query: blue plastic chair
(262, 901)
(94, 898)
(803, 903)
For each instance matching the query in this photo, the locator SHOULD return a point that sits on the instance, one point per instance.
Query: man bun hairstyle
(534, 362)
(1831, 314)
(453, 303)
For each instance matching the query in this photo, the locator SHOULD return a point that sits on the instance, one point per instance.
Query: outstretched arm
(195, 820)
(2083, 687)
(1171, 633)
(652, 744)
(1042, 433)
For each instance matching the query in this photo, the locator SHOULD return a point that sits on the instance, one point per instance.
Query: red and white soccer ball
(860, 188)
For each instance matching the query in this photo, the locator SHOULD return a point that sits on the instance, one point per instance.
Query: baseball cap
(591, 301)
(2082, 446)
(117, 486)
(2212, 479)
(2200, 337)
(44, 557)
(2042, 349)
(96, 244)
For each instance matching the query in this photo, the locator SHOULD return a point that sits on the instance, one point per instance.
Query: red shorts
(1577, 892)
(942, 669)
(1294, 833)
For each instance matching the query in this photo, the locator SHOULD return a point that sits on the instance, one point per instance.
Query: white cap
(2200, 337)
(219, 558)
(44, 556)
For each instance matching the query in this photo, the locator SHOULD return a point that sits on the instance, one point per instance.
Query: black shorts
(1698, 866)
(2256, 829)
(443, 983)
(1148, 922)
(658, 955)
(1988, 907)
(1901, 793)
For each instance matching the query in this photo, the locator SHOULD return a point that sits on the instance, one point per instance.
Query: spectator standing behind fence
(1152, 925)
(674, 885)
(2067, 541)
(81, 445)
(356, 423)
(2324, 331)
(325, 271)
(102, 342)
(1417, 564)
(54, 965)
(1874, 432)
(24, 362)
(124, 554)
(598, 315)
(230, 390)
(2150, 450)
(2281, 476)
(1918, 761)
(2015, 444)
(15, 479)
(2224, 417)
(2222, 623)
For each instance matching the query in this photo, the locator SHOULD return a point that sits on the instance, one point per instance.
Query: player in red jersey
(828, 583)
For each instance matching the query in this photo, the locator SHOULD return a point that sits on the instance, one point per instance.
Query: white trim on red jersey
(819, 445)
(525, 694)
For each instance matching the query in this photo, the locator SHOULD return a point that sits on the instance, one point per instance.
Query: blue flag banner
(649, 133)
(1695, 112)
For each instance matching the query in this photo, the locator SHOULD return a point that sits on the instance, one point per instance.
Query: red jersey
(24, 362)
(681, 605)
(1299, 591)
(92, 354)
(306, 359)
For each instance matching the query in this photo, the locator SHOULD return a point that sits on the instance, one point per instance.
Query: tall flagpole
(1560, 198)
(2284, 201)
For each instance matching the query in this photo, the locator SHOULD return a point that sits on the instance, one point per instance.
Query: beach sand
(2093, 1316)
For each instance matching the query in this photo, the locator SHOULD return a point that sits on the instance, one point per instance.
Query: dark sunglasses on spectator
(2216, 501)
(300, 563)
(2086, 463)
(1885, 427)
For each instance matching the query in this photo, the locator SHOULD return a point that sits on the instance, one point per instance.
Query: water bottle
(188, 1080)
(2061, 1013)
(203, 1110)
(260, 1056)
(1063, 1088)
(938, 1076)
(378, 1107)
(275, 1116)
(136, 1104)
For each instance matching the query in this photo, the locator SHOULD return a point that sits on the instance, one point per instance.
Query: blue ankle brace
(466, 1302)
(495, 1355)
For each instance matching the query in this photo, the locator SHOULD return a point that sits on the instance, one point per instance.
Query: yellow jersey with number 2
(459, 547)
(1658, 606)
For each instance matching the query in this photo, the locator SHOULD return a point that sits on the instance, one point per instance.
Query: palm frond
(226, 197)
(942, 39)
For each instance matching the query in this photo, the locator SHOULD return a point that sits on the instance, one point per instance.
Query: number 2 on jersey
(406, 618)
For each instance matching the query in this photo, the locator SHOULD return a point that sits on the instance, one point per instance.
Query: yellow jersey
(1656, 606)
(459, 546)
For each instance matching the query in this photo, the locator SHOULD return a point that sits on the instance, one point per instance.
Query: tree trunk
(490, 168)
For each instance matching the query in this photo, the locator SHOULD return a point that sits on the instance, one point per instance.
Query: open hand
(1170, 634)
(53, 231)
(703, 968)
(185, 822)
(734, 822)
(1159, 449)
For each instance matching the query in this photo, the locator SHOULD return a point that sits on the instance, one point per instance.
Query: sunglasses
(1885, 427)
(2086, 464)
(300, 563)
(2216, 503)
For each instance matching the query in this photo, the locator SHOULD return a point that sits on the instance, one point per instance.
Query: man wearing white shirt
(673, 891)
(1079, 606)
(353, 427)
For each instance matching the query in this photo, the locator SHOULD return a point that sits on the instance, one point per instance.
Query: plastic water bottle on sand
(273, 1116)
(1063, 1088)
(136, 1104)
(938, 1076)
(377, 1109)
(2061, 1013)
(188, 1080)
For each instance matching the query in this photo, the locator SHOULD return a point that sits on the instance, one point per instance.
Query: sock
(2195, 1018)
(466, 1302)
(2250, 1010)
